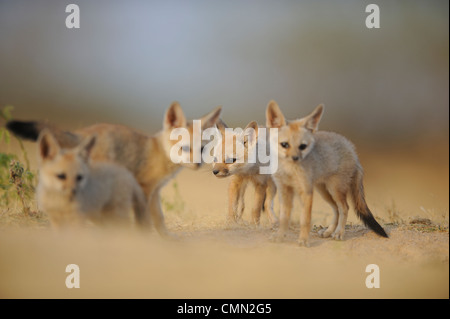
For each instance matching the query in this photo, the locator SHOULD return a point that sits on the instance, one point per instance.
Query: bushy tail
(141, 211)
(31, 130)
(361, 208)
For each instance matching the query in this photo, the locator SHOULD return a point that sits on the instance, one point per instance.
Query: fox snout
(69, 192)
(221, 172)
(294, 155)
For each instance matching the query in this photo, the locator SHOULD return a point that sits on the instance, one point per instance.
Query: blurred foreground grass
(408, 195)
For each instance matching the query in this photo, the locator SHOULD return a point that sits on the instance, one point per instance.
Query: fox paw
(338, 236)
(303, 243)
(324, 233)
(231, 222)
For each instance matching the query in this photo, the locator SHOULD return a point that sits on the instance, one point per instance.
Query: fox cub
(147, 157)
(72, 189)
(327, 161)
(242, 173)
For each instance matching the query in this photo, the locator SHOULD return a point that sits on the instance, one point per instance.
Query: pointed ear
(174, 117)
(274, 117)
(251, 134)
(85, 147)
(221, 126)
(211, 118)
(312, 120)
(48, 146)
(218, 134)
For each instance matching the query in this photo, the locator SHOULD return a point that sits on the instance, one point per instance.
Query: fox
(147, 157)
(326, 161)
(72, 189)
(242, 173)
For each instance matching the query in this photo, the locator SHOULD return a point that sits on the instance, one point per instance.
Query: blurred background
(131, 59)
(386, 89)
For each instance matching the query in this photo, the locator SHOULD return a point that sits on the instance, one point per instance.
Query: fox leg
(233, 197)
(305, 217)
(340, 198)
(157, 216)
(286, 200)
(260, 191)
(141, 212)
(327, 197)
(152, 193)
(271, 191)
(241, 201)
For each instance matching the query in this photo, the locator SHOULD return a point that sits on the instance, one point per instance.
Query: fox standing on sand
(147, 157)
(72, 190)
(242, 172)
(324, 160)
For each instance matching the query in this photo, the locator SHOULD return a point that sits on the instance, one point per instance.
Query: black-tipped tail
(361, 208)
(370, 222)
(25, 130)
(31, 130)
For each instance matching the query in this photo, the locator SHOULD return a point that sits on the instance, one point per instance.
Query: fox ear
(251, 133)
(218, 133)
(274, 116)
(48, 146)
(211, 118)
(174, 117)
(221, 126)
(85, 148)
(312, 120)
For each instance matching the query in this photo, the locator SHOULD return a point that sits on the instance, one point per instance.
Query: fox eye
(201, 149)
(185, 148)
(284, 144)
(302, 146)
(79, 178)
(230, 160)
(61, 176)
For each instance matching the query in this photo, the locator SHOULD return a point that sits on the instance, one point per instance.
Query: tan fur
(73, 190)
(243, 174)
(327, 162)
(147, 157)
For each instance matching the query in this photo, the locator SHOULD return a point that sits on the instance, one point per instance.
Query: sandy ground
(212, 259)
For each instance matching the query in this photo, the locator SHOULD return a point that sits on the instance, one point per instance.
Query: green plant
(394, 215)
(16, 181)
(177, 203)
(5, 114)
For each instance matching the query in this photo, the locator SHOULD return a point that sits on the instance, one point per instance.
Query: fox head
(175, 119)
(63, 170)
(295, 138)
(232, 154)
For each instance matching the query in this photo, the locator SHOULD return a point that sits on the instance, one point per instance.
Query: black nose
(215, 172)
(295, 158)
